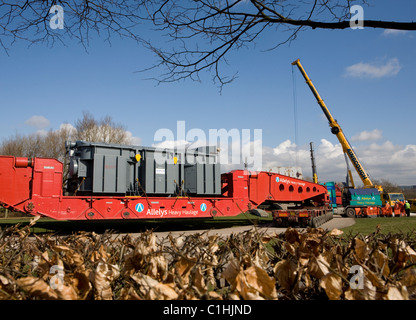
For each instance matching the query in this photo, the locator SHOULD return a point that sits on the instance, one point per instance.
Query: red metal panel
(259, 186)
(239, 184)
(47, 178)
(275, 187)
(14, 182)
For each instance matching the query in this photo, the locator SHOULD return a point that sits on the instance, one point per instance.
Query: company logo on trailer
(139, 207)
(203, 207)
(277, 179)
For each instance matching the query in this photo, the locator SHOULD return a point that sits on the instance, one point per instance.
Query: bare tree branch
(201, 33)
(207, 31)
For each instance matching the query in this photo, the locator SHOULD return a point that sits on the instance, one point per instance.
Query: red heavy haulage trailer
(35, 186)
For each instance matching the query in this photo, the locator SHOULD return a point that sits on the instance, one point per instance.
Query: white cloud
(386, 160)
(374, 70)
(329, 159)
(38, 122)
(136, 141)
(67, 126)
(368, 135)
(396, 163)
(171, 144)
(393, 32)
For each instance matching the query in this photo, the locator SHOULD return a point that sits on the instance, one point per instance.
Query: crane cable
(295, 114)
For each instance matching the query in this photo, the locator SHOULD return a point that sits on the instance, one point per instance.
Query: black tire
(350, 213)
(316, 221)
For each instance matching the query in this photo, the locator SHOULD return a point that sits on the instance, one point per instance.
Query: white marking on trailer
(139, 207)
(160, 171)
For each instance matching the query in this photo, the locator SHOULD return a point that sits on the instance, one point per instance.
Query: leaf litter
(297, 264)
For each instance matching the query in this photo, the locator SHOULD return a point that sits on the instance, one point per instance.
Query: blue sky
(366, 78)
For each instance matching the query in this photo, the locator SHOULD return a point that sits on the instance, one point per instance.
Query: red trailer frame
(35, 186)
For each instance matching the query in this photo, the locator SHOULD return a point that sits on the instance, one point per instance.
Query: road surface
(336, 223)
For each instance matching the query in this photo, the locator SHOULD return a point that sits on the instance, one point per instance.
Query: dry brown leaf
(158, 267)
(361, 249)
(286, 272)
(292, 235)
(72, 258)
(199, 281)
(259, 280)
(261, 259)
(3, 280)
(102, 277)
(153, 289)
(129, 294)
(100, 254)
(369, 292)
(233, 296)
(382, 263)
(245, 290)
(409, 277)
(409, 280)
(214, 295)
(183, 268)
(318, 266)
(210, 276)
(37, 287)
(336, 232)
(66, 292)
(290, 248)
(332, 284)
(395, 294)
(411, 254)
(231, 271)
(82, 284)
(5, 285)
(33, 221)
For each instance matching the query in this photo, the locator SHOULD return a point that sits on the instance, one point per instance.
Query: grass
(387, 225)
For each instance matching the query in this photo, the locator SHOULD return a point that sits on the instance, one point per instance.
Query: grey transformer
(103, 169)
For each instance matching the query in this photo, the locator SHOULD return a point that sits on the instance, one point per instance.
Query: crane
(336, 130)
(314, 174)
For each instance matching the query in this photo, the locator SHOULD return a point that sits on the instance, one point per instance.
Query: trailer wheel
(303, 223)
(350, 212)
